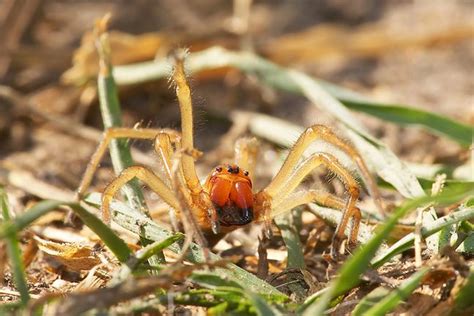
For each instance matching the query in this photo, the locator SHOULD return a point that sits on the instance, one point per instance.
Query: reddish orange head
(230, 190)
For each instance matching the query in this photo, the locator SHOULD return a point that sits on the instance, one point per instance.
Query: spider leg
(325, 199)
(199, 197)
(310, 135)
(187, 141)
(191, 215)
(349, 209)
(164, 148)
(108, 136)
(245, 154)
(146, 176)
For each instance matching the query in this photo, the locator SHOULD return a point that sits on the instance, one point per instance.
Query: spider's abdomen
(230, 190)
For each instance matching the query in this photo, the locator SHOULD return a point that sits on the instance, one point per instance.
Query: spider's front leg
(118, 133)
(146, 176)
(200, 199)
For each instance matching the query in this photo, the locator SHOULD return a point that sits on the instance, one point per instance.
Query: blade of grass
(291, 238)
(118, 247)
(14, 253)
(143, 255)
(360, 261)
(402, 114)
(463, 300)
(28, 217)
(389, 302)
(467, 246)
(145, 227)
(277, 77)
(407, 241)
(261, 304)
(116, 244)
(112, 116)
(370, 300)
(377, 154)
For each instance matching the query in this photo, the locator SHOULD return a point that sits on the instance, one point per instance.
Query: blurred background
(411, 52)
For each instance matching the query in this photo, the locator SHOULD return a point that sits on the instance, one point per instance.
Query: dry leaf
(74, 256)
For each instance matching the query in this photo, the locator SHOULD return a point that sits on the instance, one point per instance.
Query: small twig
(417, 232)
(262, 268)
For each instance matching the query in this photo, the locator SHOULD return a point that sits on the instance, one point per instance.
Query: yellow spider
(226, 201)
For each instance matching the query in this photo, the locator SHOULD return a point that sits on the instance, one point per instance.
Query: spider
(226, 200)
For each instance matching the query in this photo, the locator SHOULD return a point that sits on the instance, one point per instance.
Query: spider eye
(218, 169)
(229, 169)
(246, 173)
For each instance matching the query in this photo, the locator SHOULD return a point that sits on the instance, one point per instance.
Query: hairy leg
(200, 199)
(193, 219)
(325, 199)
(187, 141)
(166, 153)
(115, 133)
(146, 176)
(310, 135)
(164, 148)
(349, 209)
(245, 154)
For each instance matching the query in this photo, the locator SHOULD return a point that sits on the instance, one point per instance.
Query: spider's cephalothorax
(230, 190)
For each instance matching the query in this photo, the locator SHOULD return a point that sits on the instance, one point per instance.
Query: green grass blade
(356, 265)
(118, 247)
(14, 253)
(291, 238)
(377, 154)
(28, 217)
(403, 115)
(112, 117)
(145, 227)
(213, 282)
(407, 241)
(388, 303)
(370, 300)
(467, 246)
(261, 306)
(119, 148)
(142, 255)
(463, 300)
(116, 244)
(147, 252)
(276, 77)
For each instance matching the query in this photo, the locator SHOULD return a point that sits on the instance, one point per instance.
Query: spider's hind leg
(280, 197)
